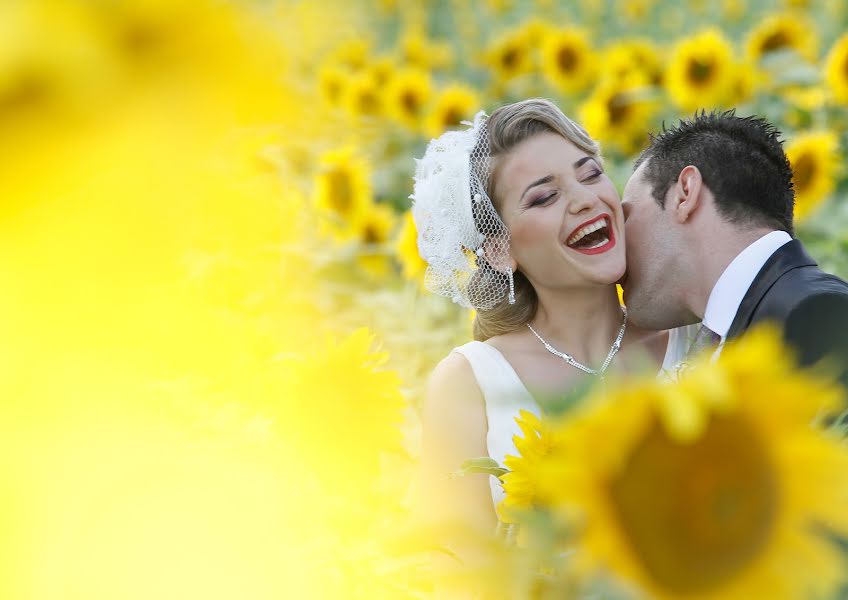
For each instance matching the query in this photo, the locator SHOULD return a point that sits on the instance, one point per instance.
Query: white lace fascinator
(460, 234)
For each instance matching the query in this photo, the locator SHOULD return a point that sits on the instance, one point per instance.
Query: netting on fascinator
(460, 234)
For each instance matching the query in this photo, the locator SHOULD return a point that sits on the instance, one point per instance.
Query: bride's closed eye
(542, 199)
(593, 175)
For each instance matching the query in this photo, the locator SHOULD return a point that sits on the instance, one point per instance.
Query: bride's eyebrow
(580, 162)
(543, 180)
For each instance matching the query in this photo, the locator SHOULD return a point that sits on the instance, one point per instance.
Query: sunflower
(352, 54)
(406, 250)
(701, 71)
(362, 96)
(499, 6)
(407, 96)
(382, 69)
(510, 56)
(417, 50)
(332, 80)
(708, 486)
(534, 452)
(636, 9)
(45, 60)
(454, 104)
(786, 31)
(836, 69)
(815, 160)
(344, 394)
(619, 112)
(534, 31)
(374, 228)
(745, 83)
(733, 10)
(343, 191)
(567, 59)
(626, 58)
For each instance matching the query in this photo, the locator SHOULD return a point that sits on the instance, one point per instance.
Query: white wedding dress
(505, 395)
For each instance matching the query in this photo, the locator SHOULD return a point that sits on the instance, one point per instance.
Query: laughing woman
(517, 219)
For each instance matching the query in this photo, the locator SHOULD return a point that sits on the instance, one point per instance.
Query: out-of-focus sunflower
(534, 30)
(406, 250)
(374, 229)
(417, 50)
(784, 31)
(347, 396)
(499, 6)
(814, 157)
(619, 113)
(454, 104)
(343, 191)
(808, 97)
(567, 59)
(706, 487)
(353, 54)
(701, 71)
(510, 56)
(407, 97)
(636, 9)
(332, 80)
(733, 10)
(48, 59)
(836, 69)
(745, 82)
(382, 69)
(362, 96)
(637, 56)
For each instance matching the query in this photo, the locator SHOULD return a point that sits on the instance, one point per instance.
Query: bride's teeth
(586, 231)
(602, 242)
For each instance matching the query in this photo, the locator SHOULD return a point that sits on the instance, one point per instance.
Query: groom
(708, 222)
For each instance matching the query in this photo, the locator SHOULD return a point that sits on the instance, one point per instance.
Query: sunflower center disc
(698, 513)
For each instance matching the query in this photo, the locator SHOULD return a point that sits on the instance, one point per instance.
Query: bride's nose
(582, 201)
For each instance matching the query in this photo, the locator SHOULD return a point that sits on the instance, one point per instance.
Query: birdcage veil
(460, 234)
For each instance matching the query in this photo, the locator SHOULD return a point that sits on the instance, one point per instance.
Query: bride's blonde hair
(507, 127)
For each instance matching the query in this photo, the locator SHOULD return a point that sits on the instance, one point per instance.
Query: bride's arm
(454, 429)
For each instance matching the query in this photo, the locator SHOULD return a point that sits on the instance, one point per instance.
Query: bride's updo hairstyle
(507, 127)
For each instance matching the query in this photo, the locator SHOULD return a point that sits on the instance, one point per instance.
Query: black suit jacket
(811, 306)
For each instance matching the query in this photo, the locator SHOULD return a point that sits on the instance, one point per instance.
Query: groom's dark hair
(741, 161)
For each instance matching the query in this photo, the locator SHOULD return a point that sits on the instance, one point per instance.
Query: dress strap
(497, 379)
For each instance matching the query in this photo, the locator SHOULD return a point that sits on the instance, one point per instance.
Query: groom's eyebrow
(543, 180)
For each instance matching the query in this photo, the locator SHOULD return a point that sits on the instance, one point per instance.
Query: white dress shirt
(731, 287)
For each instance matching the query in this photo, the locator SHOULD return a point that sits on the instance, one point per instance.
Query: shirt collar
(731, 287)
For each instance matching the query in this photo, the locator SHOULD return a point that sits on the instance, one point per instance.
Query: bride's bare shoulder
(452, 379)
(453, 412)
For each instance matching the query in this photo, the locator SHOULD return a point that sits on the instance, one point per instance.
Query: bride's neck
(582, 322)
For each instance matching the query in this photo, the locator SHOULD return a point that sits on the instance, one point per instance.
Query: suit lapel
(789, 256)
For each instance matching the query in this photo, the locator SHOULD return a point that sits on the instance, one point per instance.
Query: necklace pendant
(616, 346)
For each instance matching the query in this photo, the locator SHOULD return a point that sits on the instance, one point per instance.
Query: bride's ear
(498, 256)
(686, 193)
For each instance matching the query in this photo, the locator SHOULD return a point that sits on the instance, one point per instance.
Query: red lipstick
(607, 221)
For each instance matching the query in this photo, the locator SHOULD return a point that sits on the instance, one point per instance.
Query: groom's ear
(686, 193)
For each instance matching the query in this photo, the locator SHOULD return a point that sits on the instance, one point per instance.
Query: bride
(517, 219)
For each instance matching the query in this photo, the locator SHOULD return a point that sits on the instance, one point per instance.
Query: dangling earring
(511, 285)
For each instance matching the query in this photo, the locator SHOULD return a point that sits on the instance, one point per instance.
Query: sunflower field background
(214, 329)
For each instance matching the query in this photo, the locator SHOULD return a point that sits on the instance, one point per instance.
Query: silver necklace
(570, 360)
